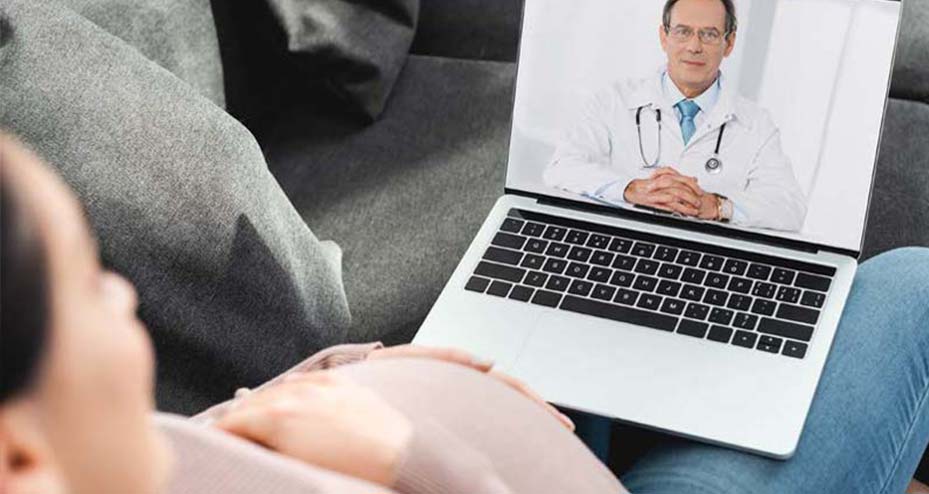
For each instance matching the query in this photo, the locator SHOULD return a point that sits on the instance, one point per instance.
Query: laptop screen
(760, 115)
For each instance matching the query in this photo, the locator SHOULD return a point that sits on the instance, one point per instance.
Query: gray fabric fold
(234, 286)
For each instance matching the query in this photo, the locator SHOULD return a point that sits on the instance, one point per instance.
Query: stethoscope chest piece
(713, 166)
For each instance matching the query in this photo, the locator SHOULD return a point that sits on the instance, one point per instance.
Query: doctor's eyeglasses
(683, 34)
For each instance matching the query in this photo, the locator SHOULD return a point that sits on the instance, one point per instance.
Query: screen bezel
(697, 226)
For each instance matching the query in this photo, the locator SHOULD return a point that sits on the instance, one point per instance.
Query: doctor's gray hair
(732, 22)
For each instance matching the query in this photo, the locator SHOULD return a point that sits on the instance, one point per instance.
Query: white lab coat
(599, 154)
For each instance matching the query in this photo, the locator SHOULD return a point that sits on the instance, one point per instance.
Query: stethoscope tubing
(713, 165)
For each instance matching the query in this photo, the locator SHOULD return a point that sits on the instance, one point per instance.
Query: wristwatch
(723, 208)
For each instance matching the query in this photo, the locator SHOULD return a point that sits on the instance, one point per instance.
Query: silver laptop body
(692, 386)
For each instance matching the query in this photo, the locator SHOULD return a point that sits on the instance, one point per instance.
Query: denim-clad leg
(869, 422)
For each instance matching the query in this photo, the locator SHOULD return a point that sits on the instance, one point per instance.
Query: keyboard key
(649, 301)
(556, 266)
(716, 297)
(740, 285)
(695, 276)
(577, 237)
(668, 288)
(813, 299)
(763, 307)
(533, 261)
(620, 245)
(645, 283)
(739, 302)
(558, 283)
(512, 225)
(503, 256)
(697, 311)
(509, 241)
(626, 297)
(598, 241)
(691, 292)
(622, 278)
(619, 313)
(499, 289)
(536, 245)
(600, 274)
(533, 229)
(557, 250)
(744, 339)
(672, 306)
(624, 262)
(759, 272)
(794, 349)
(813, 282)
(745, 321)
(788, 294)
(712, 263)
(670, 271)
(764, 290)
(688, 258)
(582, 288)
(770, 344)
(500, 272)
(602, 258)
(716, 280)
(581, 254)
(576, 270)
(667, 254)
(645, 266)
(783, 276)
(476, 284)
(797, 313)
(536, 278)
(555, 233)
(548, 299)
(721, 316)
(785, 329)
(643, 249)
(735, 267)
(522, 293)
(720, 334)
(603, 292)
(692, 328)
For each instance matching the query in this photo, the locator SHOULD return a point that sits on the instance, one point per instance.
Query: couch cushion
(911, 67)
(899, 214)
(475, 29)
(405, 196)
(357, 47)
(179, 35)
(233, 285)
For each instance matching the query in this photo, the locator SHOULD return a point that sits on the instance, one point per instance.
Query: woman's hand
(326, 420)
(455, 356)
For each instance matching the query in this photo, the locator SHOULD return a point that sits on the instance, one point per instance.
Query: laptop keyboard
(731, 297)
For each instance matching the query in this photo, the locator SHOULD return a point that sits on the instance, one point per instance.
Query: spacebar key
(619, 313)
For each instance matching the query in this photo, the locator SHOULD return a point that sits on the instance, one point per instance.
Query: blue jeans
(868, 425)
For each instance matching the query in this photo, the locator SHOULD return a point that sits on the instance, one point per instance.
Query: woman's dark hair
(732, 22)
(23, 294)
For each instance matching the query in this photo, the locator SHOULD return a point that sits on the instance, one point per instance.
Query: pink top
(447, 454)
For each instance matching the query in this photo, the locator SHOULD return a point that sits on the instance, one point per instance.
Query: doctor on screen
(683, 140)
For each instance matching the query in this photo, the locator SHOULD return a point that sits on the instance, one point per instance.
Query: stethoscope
(713, 165)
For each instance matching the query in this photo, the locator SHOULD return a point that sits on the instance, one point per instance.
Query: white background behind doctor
(829, 110)
(601, 155)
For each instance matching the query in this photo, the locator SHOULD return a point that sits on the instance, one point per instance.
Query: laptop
(710, 327)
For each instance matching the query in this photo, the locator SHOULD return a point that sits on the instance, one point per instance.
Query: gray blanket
(234, 286)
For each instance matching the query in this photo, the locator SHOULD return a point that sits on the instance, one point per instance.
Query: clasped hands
(668, 190)
(328, 420)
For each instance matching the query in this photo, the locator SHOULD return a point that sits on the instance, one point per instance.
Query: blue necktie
(688, 110)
